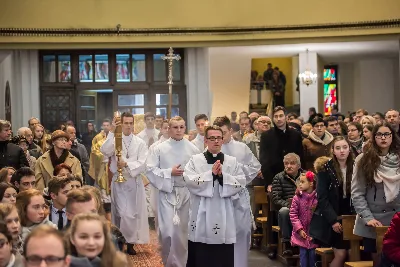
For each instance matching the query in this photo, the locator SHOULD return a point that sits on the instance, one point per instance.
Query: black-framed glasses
(381, 135)
(265, 122)
(215, 138)
(36, 260)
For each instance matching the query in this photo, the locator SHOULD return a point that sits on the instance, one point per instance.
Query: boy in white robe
(128, 199)
(201, 121)
(251, 168)
(214, 180)
(165, 165)
(150, 135)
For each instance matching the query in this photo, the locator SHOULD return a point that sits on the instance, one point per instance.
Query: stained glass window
(86, 68)
(64, 69)
(138, 67)
(49, 69)
(330, 89)
(123, 74)
(330, 74)
(101, 68)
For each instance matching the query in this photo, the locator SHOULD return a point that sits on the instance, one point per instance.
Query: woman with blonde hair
(32, 211)
(101, 251)
(39, 137)
(9, 215)
(368, 120)
(6, 173)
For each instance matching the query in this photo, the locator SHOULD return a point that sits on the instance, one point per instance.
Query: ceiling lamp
(307, 77)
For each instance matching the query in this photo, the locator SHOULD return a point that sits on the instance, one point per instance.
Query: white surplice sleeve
(138, 166)
(199, 183)
(159, 178)
(108, 147)
(250, 166)
(233, 181)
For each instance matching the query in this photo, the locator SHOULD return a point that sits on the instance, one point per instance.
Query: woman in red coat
(391, 244)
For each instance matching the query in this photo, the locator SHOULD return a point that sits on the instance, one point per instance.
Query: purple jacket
(300, 214)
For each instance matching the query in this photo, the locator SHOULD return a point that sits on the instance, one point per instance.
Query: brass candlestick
(118, 145)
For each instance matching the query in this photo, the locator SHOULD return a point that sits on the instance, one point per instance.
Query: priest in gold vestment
(99, 168)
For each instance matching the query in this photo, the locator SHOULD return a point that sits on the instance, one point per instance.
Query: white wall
(309, 95)
(199, 96)
(5, 75)
(295, 73)
(21, 69)
(229, 82)
(372, 84)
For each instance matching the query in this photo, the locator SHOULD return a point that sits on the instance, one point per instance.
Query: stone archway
(8, 102)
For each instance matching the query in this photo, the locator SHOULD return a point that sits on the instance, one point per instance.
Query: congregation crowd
(60, 203)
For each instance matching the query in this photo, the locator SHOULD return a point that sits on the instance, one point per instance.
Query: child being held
(301, 211)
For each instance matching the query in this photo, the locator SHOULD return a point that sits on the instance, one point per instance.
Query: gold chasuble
(98, 168)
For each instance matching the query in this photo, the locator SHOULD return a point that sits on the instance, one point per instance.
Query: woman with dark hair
(333, 191)
(354, 136)
(311, 112)
(8, 194)
(376, 184)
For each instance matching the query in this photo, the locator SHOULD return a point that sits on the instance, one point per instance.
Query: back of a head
(222, 121)
(77, 196)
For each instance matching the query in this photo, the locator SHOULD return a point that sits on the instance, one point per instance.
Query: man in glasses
(253, 140)
(213, 178)
(45, 246)
(165, 164)
(23, 179)
(251, 168)
(34, 149)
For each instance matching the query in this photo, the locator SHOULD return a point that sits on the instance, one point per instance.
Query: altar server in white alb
(154, 191)
(214, 179)
(150, 136)
(128, 199)
(165, 165)
(201, 121)
(251, 168)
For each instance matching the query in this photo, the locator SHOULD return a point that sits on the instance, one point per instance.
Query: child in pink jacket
(301, 211)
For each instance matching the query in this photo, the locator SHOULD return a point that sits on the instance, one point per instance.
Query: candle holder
(118, 146)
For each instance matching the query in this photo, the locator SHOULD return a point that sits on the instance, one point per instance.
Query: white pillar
(295, 73)
(25, 102)
(309, 94)
(197, 77)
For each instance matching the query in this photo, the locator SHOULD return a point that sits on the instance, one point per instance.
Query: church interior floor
(149, 256)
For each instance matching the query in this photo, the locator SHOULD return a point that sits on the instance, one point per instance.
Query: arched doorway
(8, 102)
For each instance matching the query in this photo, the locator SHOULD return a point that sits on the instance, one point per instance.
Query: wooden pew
(348, 222)
(380, 233)
(260, 197)
(326, 255)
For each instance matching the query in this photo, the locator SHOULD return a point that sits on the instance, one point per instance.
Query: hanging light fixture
(308, 77)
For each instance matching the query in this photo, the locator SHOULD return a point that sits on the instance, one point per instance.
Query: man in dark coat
(274, 145)
(11, 155)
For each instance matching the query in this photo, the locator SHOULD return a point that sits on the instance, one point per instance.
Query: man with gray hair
(34, 150)
(11, 155)
(284, 187)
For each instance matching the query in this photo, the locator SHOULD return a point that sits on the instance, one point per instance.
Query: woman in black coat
(333, 191)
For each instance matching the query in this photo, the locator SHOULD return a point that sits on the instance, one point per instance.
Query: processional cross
(170, 57)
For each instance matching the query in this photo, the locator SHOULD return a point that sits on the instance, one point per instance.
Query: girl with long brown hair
(39, 137)
(32, 211)
(90, 243)
(333, 191)
(376, 184)
(9, 215)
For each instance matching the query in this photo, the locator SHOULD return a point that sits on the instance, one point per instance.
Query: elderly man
(283, 189)
(34, 150)
(252, 140)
